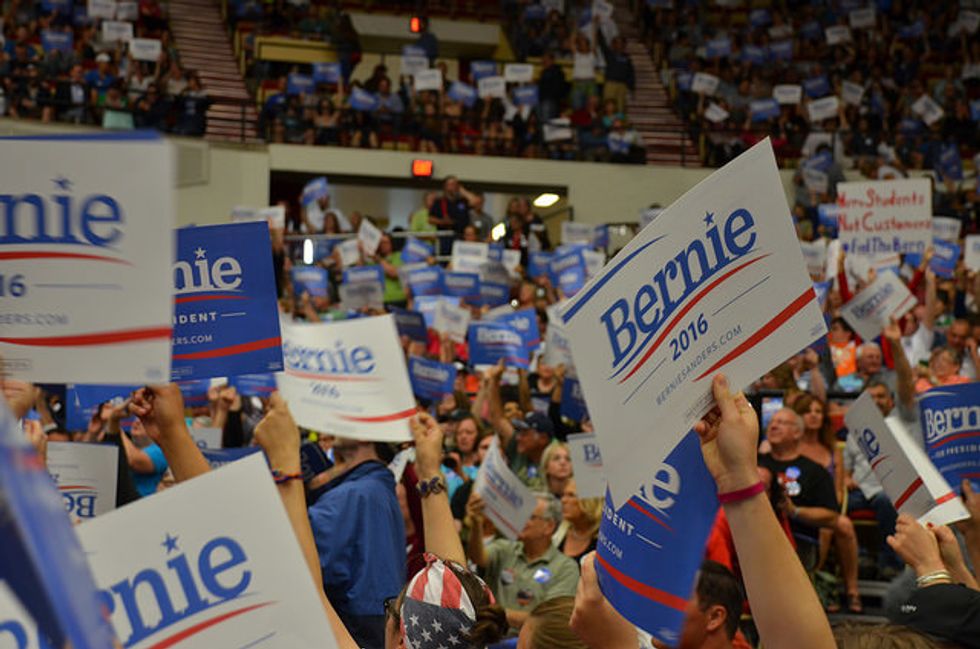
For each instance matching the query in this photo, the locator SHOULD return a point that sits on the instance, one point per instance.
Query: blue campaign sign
(226, 315)
(427, 305)
(760, 17)
(949, 164)
(821, 289)
(254, 385)
(494, 293)
(491, 341)
(63, 6)
(299, 84)
(915, 30)
(195, 392)
(310, 279)
(573, 401)
(83, 400)
(538, 263)
(945, 254)
(951, 424)
(43, 562)
(568, 272)
(600, 239)
(463, 93)
(363, 100)
(763, 109)
(52, 40)
(425, 281)
(525, 322)
(781, 50)
(356, 274)
(431, 379)
(218, 457)
(755, 54)
(415, 251)
(411, 324)
(326, 72)
(827, 213)
(718, 47)
(315, 190)
(650, 550)
(816, 87)
(462, 285)
(526, 95)
(481, 69)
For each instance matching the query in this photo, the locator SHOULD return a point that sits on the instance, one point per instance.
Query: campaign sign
(427, 80)
(590, 479)
(362, 295)
(518, 72)
(782, 51)
(425, 281)
(763, 109)
(945, 254)
(825, 108)
(356, 274)
(349, 251)
(526, 96)
(226, 317)
(127, 11)
(557, 348)
(651, 548)
(218, 457)
(716, 283)
(815, 253)
(326, 72)
(431, 379)
(362, 100)
(195, 392)
(538, 263)
(311, 280)
(946, 228)
(216, 562)
(254, 385)
(415, 251)
(704, 83)
(412, 64)
(718, 48)
(870, 310)
(573, 401)
(951, 424)
(427, 305)
(909, 479)
(82, 401)
(489, 87)
(209, 438)
(86, 477)
(57, 41)
(787, 93)
(463, 93)
(452, 320)
(491, 341)
(971, 252)
(43, 562)
(462, 285)
(482, 69)
(410, 324)
(816, 87)
(577, 232)
(115, 31)
(827, 214)
(315, 190)
(75, 234)
(525, 322)
(469, 256)
(493, 293)
(508, 503)
(885, 216)
(370, 236)
(568, 272)
(348, 378)
(299, 84)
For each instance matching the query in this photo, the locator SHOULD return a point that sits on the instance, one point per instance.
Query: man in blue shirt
(360, 537)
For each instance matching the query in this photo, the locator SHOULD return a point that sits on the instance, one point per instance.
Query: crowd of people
(573, 114)
(62, 65)
(360, 513)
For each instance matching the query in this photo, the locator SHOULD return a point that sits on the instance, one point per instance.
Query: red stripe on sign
(879, 461)
(231, 350)
(953, 438)
(331, 377)
(202, 298)
(405, 414)
(201, 626)
(653, 594)
(680, 314)
(86, 340)
(25, 254)
(912, 488)
(643, 511)
(946, 498)
(763, 333)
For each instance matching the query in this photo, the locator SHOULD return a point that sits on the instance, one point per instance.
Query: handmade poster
(688, 298)
(86, 477)
(508, 504)
(885, 216)
(348, 378)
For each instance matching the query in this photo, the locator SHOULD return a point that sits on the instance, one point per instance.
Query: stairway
(202, 40)
(663, 132)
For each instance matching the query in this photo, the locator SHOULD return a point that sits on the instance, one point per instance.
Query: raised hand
(428, 437)
(278, 436)
(916, 545)
(729, 439)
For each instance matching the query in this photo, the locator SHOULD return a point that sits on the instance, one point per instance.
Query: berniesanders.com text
(706, 352)
(34, 319)
(192, 340)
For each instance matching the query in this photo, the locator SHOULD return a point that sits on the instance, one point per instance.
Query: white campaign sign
(886, 297)
(815, 253)
(577, 232)
(491, 87)
(211, 562)
(469, 256)
(909, 478)
(704, 83)
(837, 34)
(971, 252)
(412, 65)
(128, 11)
(946, 228)
(557, 348)
(518, 72)
(349, 251)
(787, 93)
(428, 80)
(114, 30)
(825, 108)
(275, 215)
(86, 477)
(370, 236)
(452, 320)
(862, 18)
(101, 9)
(852, 93)
(209, 438)
(86, 234)
(348, 378)
(927, 108)
(880, 216)
(145, 49)
(590, 479)
(362, 295)
(717, 283)
(715, 113)
(508, 503)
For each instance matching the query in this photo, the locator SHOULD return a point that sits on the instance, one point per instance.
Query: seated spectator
(152, 110)
(625, 144)
(944, 369)
(547, 626)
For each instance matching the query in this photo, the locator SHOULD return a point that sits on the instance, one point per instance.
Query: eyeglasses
(390, 608)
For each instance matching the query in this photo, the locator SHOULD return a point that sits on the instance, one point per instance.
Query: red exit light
(415, 24)
(422, 168)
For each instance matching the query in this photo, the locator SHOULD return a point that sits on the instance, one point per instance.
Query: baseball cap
(534, 421)
(103, 58)
(947, 611)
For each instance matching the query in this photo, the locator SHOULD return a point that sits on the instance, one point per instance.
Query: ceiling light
(546, 199)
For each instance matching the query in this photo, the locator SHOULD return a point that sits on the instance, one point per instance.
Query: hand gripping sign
(651, 548)
(909, 479)
(226, 320)
(212, 562)
(951, 423)
(348, 378)
(74, 234)
(716, 283)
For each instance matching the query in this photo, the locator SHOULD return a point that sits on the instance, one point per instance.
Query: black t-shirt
(807, 483)
(457, 209)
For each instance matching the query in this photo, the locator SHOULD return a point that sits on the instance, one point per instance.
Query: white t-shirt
(919, 345)
(316, 216)
(584, 66)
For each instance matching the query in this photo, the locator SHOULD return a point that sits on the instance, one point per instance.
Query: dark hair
(878, 383)
(717, 586)
(491, 620)
(550, 625)
(826, 435)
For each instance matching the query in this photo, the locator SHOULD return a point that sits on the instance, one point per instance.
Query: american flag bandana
(436, 612)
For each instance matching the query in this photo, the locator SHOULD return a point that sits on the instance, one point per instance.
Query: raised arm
(787, 611)
(441, 538)
(278, 436)
(474, 520)
(905, 378)
(501, 426)
(161, 409)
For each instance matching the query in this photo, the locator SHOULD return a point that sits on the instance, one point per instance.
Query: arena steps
(204, 45)
(649, 109)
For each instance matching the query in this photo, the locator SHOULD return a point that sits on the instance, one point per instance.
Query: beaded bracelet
(429, 487)
(279, 477)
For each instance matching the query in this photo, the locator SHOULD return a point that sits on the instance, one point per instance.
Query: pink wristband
(741, 494)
